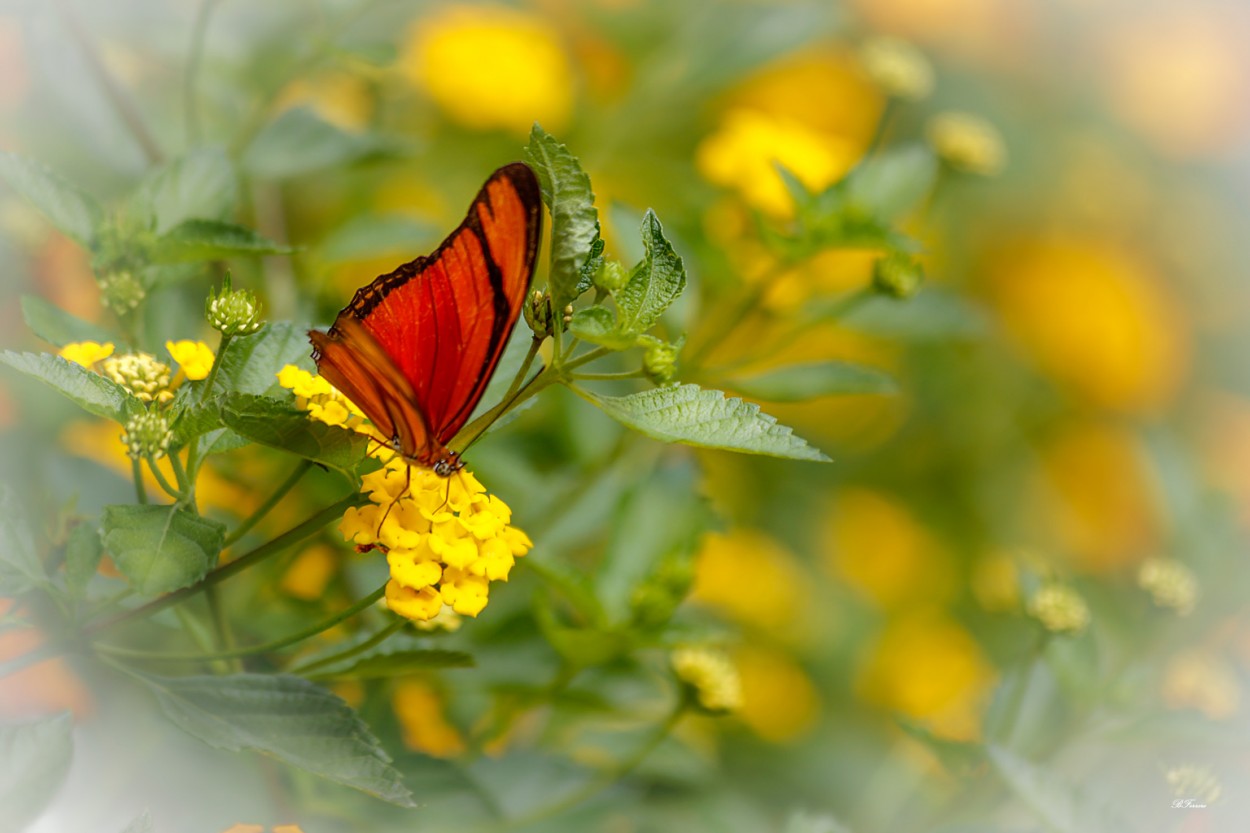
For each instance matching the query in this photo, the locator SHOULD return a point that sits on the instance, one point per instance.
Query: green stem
(136, 470)
(292, 536)
(249, 650)
(170, 490)
(251, 520)
(212, 373)
(310, 669)
(199, 34)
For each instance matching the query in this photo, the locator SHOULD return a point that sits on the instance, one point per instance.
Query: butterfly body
(415, 348)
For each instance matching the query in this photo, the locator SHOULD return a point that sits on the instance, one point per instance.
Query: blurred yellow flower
(1094, 318)
(86, 353)
(491, 67)
(747, 147)
(1203, 681)
(711, 676)
(967, 143)
(897, 67)
(779, 700)
(1099, 498)
(929, 668)
(420, 711)
(1059, 608)
(877, 546)
(754, 579)
(194, 357)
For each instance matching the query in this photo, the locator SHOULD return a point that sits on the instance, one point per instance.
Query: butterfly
(415, 349)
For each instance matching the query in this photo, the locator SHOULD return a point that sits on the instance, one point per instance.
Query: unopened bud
(148, 435)
(897, 275)
(233, 312)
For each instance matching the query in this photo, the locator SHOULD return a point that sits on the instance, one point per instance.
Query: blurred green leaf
(299, 142)
(20, 568)
(251, 363)
(69, 209)
(930, 314)
(597, 325)
(372, 235)
(706, 418)
(574, 220)
(807, 381)
(654, 284)
(201, 185)
(160, 548)
(289, 718)
(278, 425)
(83, 551)
(194, 240)
(89, 391)
(1060, 804)
(34, 759)
(891, 183)
(56, 326)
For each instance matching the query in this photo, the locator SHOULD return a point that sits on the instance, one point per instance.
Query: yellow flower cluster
(445, 538)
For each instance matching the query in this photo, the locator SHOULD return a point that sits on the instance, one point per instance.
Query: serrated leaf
(706, 418)
(89, 391)
(574, 220)
(34, 759)
(597, 325)
(20, 568)
(1062, 805)
(251, 363)
(288, 718)
(806, 381)
(198, 186)
(69, 209)
(56, 326)
(891, 183)
(161, 548)
(653, 285)
(299, 142)
(278, 425)
(194, 240)
(82, 557)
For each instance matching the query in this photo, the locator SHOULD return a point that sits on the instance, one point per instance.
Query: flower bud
(659, 360)
(710, 677)
(233, 312)
(121, 291)
(142, 374)
(612, 277)
(148, 435)
(538, 314)
(897, 275)
(1060, 609)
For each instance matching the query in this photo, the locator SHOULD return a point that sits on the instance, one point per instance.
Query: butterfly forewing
(420, 344)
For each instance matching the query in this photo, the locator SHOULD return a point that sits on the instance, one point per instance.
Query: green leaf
(299, 142)
(574, 220)
(56, 326)
(1062, 805)
(597, 325)
(706, 418)
(161, 548)
(34, 759)
(194, 240)
(807, 381)
(69, 209)
(89, 391)
(82, 557)
(278, 425)
(199, 186)
(289, 718)
(251, 363)
(654, 284)
(891, 183)
(20, 568)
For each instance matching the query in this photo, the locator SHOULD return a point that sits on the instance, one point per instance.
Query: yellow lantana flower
(491, 67)
(86, 353)
(194, 357)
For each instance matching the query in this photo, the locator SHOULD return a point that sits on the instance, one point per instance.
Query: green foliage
(34, 759)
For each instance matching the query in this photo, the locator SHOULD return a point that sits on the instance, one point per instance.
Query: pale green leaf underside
(707, 418)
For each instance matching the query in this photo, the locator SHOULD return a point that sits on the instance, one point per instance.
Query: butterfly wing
(423, 341)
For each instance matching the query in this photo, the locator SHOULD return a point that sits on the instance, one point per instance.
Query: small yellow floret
(86, 353)
(194, 357)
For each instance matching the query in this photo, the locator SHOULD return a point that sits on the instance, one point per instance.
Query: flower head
(898, 68)
(1059, 608)
(1170, 584)
(710, 676)
(194, 357)
(967, 143)
(86, 353)
(142, 374)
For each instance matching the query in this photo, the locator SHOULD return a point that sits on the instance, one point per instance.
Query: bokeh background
(1037, 540)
